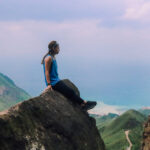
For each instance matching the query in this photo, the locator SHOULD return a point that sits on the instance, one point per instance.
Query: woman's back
(54, 78)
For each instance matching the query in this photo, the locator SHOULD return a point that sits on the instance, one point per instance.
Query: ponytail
(44, 57)
(51, 46)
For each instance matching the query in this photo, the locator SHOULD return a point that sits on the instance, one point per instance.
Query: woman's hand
(49, 87)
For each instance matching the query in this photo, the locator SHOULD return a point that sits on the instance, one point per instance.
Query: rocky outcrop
(146, 135)
(49, 121)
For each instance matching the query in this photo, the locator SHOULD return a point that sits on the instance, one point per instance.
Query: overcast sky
(104, 46)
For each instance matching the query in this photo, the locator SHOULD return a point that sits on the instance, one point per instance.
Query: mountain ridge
(113, 133)
(10, 93)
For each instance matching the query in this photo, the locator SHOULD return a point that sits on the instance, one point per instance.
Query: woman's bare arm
(48, 62)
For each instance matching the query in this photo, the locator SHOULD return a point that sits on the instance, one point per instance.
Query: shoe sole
(90, 107)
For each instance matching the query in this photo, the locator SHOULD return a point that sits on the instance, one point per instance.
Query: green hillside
(136, 137)
(113, 131)
(146, 112)
(104, 120)
(10, 94)
(94, 115)
(128, 120)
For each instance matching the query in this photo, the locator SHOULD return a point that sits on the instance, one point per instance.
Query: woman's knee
(70, 93)
(64, 89)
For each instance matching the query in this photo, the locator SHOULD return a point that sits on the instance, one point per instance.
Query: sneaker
(89, 105)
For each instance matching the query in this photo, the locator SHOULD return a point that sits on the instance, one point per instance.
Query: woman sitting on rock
(53, 81)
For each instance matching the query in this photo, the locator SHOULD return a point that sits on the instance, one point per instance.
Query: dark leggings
(61, 87)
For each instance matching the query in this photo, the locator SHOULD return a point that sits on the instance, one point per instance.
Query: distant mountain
(10, 94)
(127, 120)
(94, 115)
(145, 111)
(102, 121)
(106, 117)
(113, 131)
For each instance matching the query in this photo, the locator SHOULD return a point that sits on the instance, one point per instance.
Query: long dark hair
(51, 46)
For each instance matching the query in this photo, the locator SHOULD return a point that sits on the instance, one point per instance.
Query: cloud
(57, 10)
(85, 38)
(127, 12)
(137, 10)
(105, 40)
(103, 109)
(112, 58)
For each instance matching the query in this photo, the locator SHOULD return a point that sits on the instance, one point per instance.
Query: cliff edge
(146, 135)
(49, 121)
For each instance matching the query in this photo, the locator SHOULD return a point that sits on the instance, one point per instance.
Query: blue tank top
(54, 78)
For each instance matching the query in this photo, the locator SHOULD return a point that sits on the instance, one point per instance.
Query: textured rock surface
(49, 121)
(146, 135)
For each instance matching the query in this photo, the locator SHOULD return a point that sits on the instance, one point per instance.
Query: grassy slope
(136, 137)
(145, 111)
(113, 134)
(103, 121)
(12, 94)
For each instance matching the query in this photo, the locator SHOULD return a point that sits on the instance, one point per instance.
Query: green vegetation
(103, 121)
(10, 94)
(113, 130)
(145, 112)
(115, 141)
(135, 136)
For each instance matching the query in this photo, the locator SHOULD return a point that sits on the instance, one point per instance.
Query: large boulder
(49, 121)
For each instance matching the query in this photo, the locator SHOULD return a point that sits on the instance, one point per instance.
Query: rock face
(49, 121)
(146, 135)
